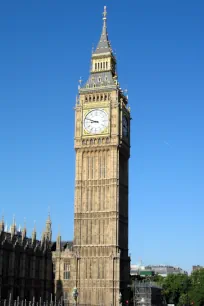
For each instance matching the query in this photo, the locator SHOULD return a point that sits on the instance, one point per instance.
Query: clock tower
(102, 145)
(95, 268)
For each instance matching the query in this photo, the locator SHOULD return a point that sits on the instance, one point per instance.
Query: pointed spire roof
(48, 221)
(103, 44)
(34, 234)
(2, 224)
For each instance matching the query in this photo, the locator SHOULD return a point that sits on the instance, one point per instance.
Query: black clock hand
(92, 121)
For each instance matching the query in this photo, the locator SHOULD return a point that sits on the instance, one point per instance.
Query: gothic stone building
(98, 264)
(25, 264)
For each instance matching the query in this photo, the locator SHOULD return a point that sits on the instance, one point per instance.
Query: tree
(196, 292)
(174, 286)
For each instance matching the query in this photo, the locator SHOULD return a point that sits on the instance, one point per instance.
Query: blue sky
(45, 48)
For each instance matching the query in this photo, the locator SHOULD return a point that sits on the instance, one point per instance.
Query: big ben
(102, 145)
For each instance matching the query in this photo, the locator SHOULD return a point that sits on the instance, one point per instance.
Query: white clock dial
(125, 126)
(96, 121)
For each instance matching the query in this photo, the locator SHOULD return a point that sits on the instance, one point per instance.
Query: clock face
(125, 126)
(96, 121)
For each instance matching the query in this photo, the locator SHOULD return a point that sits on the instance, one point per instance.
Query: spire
(104, 44)
(48, 229)
(34, 233)
(24, 231)
(103, 63)
(2, 224)
(13, 227)
(58, 242)
(42, 238)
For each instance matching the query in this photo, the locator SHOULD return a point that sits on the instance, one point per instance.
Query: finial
(58, 242)
(2, 224)
(80, 81)
(14, 220)
(104, 18)
(48, 218)
(24, 232)
(104, 13)
(2, 216)
(24, 223)
(34, 232)
(2, 219)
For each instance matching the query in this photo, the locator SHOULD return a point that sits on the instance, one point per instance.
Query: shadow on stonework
(59, 290)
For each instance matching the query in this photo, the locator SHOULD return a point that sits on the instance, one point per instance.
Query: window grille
(66, 271)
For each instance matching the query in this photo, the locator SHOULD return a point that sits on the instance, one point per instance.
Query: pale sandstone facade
(98, 261)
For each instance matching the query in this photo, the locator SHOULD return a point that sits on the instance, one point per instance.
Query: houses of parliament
(96, 262)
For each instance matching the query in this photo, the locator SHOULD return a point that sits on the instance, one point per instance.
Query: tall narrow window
(99, 198)
(95, 66)
(66, 271)
(98, 264)
(104, 197)
(86, 269)
(100, 167)
(87, 230)
(89, 199)
(103, 166)
(92, 168)
(88, 167)
(90, 269)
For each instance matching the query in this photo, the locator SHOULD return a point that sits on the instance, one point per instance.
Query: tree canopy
(181, 289)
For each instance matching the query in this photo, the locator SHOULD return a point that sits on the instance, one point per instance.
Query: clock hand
(92, 121)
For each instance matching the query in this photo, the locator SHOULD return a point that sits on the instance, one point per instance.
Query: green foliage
(181, 289)
(196, 291)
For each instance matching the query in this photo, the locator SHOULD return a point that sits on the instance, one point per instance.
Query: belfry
(98, 261)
